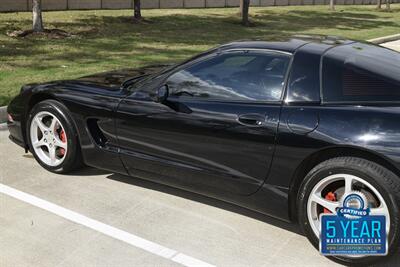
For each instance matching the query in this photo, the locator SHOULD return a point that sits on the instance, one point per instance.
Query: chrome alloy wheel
(342, 184)
(48, 138)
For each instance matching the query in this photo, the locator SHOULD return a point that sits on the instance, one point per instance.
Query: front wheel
(330, 180)
(52, 137)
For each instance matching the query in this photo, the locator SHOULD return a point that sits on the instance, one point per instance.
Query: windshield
(140, 81)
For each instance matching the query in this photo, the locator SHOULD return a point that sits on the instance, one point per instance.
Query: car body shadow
(292, 227)
(88, 171)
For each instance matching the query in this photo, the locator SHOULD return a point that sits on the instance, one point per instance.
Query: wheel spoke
(53, 124)
(39, 143)
(330, 205)
(41, 125)
(52, 154)
(382, 210)
(379, 211)
(348, 184)
(59, 143)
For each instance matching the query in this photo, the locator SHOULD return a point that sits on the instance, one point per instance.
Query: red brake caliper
(63, 139)
(331, 197)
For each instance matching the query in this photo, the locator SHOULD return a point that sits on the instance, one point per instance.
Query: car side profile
(285, 128)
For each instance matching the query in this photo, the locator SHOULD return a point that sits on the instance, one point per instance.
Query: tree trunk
(379, 4)
(387, 4)
(37, 16)
(241, 8)
(137, 10)
(245, 12)
(332, 5)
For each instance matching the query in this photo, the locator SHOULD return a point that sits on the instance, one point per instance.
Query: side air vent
(96, 133)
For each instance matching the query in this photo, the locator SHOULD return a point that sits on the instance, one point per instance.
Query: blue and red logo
(352, 231)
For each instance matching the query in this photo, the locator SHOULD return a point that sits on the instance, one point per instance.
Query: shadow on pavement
(88, 171)
(205, 200)
(292, 227)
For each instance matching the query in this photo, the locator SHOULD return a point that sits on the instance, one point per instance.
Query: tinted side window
(361, 72)
(251, 76)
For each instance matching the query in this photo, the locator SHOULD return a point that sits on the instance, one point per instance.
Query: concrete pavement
(209, 230)
(212, 231)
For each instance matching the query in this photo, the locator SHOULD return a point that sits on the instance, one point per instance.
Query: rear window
(361, 73)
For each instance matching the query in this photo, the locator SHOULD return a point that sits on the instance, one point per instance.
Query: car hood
(110, 82)
(114, 80)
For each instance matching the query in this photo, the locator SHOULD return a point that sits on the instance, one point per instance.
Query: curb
(385, 39)
(3, 114)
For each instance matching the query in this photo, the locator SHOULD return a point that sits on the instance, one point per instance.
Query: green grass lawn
(106, 40)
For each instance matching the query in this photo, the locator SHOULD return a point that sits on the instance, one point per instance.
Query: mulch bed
(49, 33)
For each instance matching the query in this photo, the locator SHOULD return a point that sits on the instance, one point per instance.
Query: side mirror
(162, 94)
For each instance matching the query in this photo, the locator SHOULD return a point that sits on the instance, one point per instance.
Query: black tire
(385, 181)
(73, 158)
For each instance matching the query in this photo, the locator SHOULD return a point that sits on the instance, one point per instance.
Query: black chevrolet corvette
(283, 128)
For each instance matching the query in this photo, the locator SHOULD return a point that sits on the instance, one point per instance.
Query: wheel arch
(329, 153)
(33, 100)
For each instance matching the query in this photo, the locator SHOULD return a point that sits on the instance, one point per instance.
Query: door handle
(253, 120)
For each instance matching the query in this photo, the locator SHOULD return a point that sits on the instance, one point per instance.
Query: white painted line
(188, 261)
(103, 228)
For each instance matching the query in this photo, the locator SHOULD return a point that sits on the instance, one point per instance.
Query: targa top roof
(290, 44)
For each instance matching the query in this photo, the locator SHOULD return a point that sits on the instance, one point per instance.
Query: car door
(217, 128)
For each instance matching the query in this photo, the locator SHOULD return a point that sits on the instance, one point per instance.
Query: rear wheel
(52, 137)
(329, 181)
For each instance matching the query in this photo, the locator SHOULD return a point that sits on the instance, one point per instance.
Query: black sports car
(284, 128)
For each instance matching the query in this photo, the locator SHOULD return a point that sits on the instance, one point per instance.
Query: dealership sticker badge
(353, 231)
